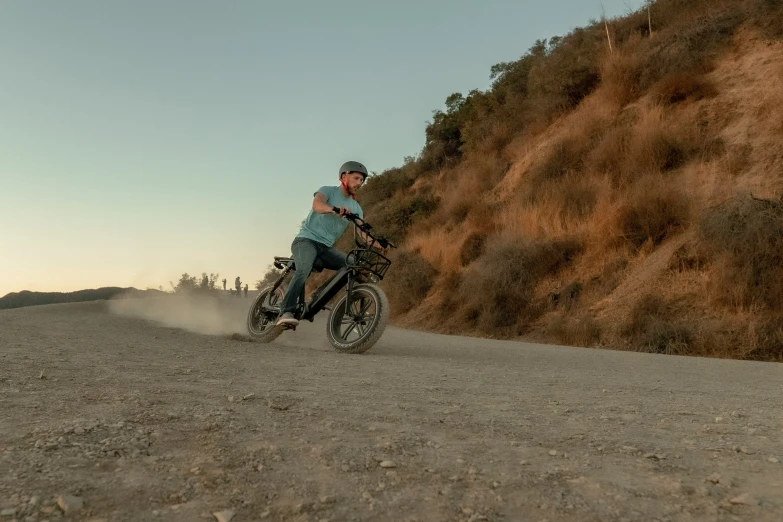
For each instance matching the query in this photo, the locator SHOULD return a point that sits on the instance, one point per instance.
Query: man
(245, 289)
(319, 231)
(224, 284)
(238, 286)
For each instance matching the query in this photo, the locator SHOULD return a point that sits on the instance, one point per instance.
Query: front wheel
(358, 328)
(263, 314)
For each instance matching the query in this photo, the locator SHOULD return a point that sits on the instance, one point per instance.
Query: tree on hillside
(188, 283)
(269, 278)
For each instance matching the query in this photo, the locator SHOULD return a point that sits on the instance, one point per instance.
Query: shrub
(651, 329)
(393, 217)
(271, 275)
(385, 185)
(409, 279)
(573, 331)
(689, 48)
(683, 86)
(652, 212)
(767, 341)
(566, 157)
(568, 73)
(745, 235)
(472, 248)
(497, 291)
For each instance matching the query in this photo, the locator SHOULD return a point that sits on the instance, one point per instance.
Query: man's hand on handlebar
(341, 211)
(362, 228)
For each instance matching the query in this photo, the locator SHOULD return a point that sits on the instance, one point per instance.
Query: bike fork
(348, 295)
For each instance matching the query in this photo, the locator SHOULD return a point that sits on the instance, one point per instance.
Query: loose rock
(388, 464)
(223, 516)
(69, 503)
(743, 499)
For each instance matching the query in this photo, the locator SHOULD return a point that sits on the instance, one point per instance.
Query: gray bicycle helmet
(353, 166)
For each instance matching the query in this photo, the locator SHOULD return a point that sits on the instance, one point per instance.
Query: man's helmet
(353, 166)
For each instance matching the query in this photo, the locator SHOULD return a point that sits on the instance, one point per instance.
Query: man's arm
(320, 205)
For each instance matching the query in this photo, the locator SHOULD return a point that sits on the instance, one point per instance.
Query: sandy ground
(138, 420)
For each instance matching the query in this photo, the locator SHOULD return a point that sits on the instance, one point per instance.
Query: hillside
(28, 298)
(626, 197)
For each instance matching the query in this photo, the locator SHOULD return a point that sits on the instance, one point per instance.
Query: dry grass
(652, 211)
(766, 340)
(566, 157)
(582, 331)
(654, 148)
(441, 248)
(620, 72)
(640, 143)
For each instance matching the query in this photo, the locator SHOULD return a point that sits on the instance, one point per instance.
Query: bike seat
(284, 261)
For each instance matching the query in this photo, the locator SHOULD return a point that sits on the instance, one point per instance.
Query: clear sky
(140, 140)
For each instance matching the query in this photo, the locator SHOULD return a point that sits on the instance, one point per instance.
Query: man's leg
(333, 259)
(304, 252)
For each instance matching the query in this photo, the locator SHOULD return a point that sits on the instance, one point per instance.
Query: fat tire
(270, 334)
(365, 343)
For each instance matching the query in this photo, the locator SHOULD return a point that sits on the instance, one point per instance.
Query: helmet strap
(345, 187)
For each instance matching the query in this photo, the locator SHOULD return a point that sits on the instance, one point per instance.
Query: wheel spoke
(348, 331)
(366, 307)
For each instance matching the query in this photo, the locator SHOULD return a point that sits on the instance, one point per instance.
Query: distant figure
(224, 284)
(238, 286)
(245, 289)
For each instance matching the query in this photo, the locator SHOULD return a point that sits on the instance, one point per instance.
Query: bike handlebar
(364, 227)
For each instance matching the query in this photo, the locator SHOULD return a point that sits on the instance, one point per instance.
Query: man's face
(353, 180)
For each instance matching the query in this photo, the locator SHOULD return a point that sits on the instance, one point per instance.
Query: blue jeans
(305, 252)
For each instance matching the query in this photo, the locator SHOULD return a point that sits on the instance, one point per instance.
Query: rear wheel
(263, 313)
(358, 328)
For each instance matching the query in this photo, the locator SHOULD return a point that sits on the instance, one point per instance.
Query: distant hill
(27, 298)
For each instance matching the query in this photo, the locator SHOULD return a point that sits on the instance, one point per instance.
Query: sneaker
(287, 319)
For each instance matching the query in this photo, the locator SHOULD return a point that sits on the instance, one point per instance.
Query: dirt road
(141, 421)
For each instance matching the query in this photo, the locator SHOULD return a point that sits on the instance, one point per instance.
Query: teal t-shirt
(327, 228)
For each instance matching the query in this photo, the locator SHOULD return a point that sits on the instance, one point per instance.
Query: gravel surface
(117, 418)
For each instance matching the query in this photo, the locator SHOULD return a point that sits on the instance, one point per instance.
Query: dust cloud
(195, 313)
